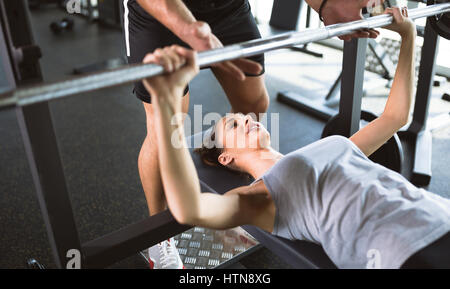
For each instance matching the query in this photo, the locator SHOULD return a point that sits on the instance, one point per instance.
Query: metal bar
(298, 254)
(113, 247)
(46, 169)
(352, 85)
(18, 34)
(7, 81)
(40, 143)
(425, 83)
(8, 41)
(335, 88)
(382, 56)
(137, 72)
(417, 133)
(311, 106)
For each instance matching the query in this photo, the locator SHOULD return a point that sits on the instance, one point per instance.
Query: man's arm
(340, 11)
(315, 4)
(396, 111)
(174, 15)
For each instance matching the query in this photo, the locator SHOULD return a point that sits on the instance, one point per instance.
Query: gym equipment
(377, 61)
(202, 248)
(66, 24)
(109, 13)
(417, 139)
(136, 72)
(440, 23)
(19, 43)
(40, 143)
(36, 4)
(389, 155)
(34, 264)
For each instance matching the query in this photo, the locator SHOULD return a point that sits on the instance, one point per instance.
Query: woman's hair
(209, 153)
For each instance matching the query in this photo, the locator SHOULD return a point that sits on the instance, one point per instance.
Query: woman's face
(238, 133)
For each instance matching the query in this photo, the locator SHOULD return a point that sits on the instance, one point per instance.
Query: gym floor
(100, 135)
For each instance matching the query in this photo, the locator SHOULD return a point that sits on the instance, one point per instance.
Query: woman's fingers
(170, 58)
(163, 60)
(149, 58)
(398, 13)
(190, 58)
(176, 59)
(405, 12)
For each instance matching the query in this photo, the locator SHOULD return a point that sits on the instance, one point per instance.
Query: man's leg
(247, 96)
(163, 255)
(148, 163)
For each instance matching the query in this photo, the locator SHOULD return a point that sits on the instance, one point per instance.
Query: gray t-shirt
(364, 215)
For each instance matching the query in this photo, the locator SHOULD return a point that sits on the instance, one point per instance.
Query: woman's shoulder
(329, 145)
(313, 158)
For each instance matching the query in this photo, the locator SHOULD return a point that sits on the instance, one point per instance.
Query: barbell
(135, 72)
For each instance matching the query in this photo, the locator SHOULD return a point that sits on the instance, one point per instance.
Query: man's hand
(199, 36)
(341, 11)
(180, 65)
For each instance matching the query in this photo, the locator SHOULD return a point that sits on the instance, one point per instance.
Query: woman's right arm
(396, 111)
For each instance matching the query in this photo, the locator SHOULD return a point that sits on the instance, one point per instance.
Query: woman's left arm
(181, 183)
(179, 176)
(396, 112)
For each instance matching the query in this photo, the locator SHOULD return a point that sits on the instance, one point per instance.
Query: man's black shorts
(230, 20)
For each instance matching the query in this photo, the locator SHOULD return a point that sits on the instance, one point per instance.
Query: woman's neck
(258, 162)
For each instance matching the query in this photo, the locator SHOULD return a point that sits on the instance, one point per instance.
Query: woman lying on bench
(329, 192)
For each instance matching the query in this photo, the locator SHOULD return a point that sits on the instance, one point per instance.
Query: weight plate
(440, 22)
(390, 155)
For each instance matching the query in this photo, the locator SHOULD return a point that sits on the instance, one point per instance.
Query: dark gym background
(100, 135)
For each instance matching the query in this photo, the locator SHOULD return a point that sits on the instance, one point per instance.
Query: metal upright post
(46, 169)
(417, 134)
(37, 133)
(425, 82)
(353, 64)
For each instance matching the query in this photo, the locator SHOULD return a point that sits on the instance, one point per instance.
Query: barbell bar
(135, 72)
